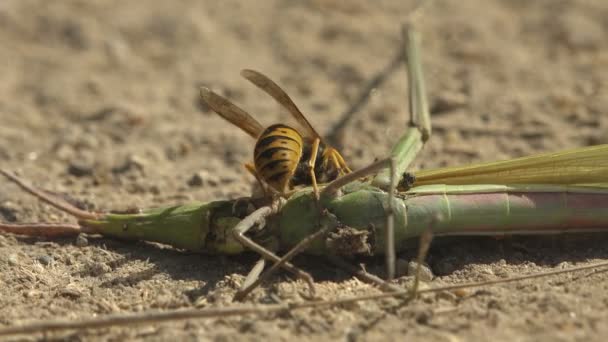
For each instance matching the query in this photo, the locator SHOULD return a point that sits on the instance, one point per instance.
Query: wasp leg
(311, 166)
(340, 162)
(331, 155)
(251, 168)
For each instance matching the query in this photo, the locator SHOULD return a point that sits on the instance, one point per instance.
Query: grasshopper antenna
(50, 199)
(49, 230)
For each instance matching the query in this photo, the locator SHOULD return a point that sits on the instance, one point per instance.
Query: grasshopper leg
(302, 245)
(419, 126)
(252, 277)
(245, 290)
(407, 146)
(333, 187)
(250, 221)
(390, 164)
(390, 223)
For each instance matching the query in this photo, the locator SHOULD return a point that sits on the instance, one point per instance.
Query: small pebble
(138, 161)
(494, 304)
(461, 293)
(70, 293)
(424, 317)
(486, 270)
(32, 294)
(227, 180)
(196, 180)
(13, 259)
(45, 260)
(8, 211)
(81, 241)
(425, 272)
(447, 101)
(202, 178)
(132, 162)
(96, 269)
(447, 295)
(79, 168)
(502, 273)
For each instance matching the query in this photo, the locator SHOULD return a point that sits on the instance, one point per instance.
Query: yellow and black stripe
(277, 154)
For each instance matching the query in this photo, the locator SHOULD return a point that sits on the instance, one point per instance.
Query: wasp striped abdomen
(277, 154)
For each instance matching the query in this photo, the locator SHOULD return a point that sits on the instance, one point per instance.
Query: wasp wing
(273, 89)
(232, 113)
(586, 165)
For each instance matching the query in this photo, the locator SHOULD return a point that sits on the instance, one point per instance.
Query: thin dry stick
(51, 200)
(153, 317)
(363, 274)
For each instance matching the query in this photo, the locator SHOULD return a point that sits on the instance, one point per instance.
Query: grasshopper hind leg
(255, 218)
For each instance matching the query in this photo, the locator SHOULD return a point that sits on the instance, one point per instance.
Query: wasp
(282, 157)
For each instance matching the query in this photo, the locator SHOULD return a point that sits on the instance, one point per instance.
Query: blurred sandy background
(99, 99)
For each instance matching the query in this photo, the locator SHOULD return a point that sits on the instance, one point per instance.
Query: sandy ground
(98, 99)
